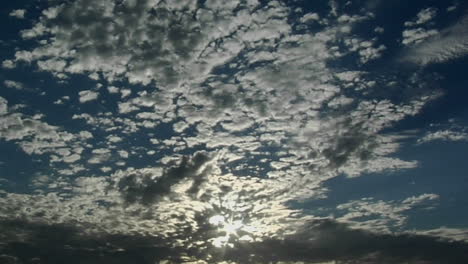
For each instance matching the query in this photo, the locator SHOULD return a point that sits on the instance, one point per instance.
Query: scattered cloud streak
(450, 44)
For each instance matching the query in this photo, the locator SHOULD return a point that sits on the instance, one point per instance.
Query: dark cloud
(26, 242)
(147, 189)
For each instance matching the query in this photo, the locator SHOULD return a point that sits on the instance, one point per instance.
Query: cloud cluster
(416, 31)
(450, 44)
(226, 110)
(18, 13)
(280, 84)
(385, 216)
(13, 84)
(444, 135)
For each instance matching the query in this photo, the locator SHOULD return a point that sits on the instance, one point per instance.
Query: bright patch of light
(227, 226)
(216, 220)
(231, 227)
(221, 241)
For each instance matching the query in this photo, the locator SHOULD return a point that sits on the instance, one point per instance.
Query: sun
(227, 226)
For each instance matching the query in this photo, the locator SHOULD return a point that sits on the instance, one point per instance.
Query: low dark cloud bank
(25, 242)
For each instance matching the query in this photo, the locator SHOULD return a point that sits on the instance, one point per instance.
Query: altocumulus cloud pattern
(240, 131)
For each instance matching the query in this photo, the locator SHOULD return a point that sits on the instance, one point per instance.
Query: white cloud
(452, 8)
(72, 158)
(113, 89)
(123, 154)
(262, 99)
(3, 106)
(8, 64)
(423, 17)
(451, 234)
(13, 84)
(417, 31)
(379, 30)
(383, 214)
(36, 137)
(87, 96)
(114, 139)
(444, 135)
(452, 43)
(18, 13)
(179, 127)
(125, 92)
(310, 17)
(415, 36)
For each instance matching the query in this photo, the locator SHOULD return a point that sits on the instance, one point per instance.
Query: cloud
(450, 44)
(13, 84)
(148, 189)
(3, 106)
(18, 13)
(153, 52)
(8, 64)
(444, 135)
(424, 16)
(87, 96)
(319, 241)
(383, 216)
(271, 100)
(449, 234)
(417, 35)
(417, 31)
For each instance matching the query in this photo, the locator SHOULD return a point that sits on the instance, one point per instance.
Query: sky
(241, 131)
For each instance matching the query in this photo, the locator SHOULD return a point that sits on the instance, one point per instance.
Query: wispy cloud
(451, 43)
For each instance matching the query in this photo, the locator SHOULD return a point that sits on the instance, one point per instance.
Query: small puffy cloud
(180, 126)
(416, 31)
(13, 84)
(62, 100)
(72, 158)
(37, 31)
(126, 107)
(114, 139)
(18, 13)
(85, 135)
(87, 96)
(415, 36)
(423, 17)
(123, 154)
(8, 64)
(106, 169)
(99, 156)
(52, 65)
(310, 17)
(113, 89)
(426, 15)
(125, 92)
(452, 8)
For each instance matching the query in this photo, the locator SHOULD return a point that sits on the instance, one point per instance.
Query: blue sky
(233, 132)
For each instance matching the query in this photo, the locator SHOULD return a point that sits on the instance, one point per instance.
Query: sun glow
(227, 226)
